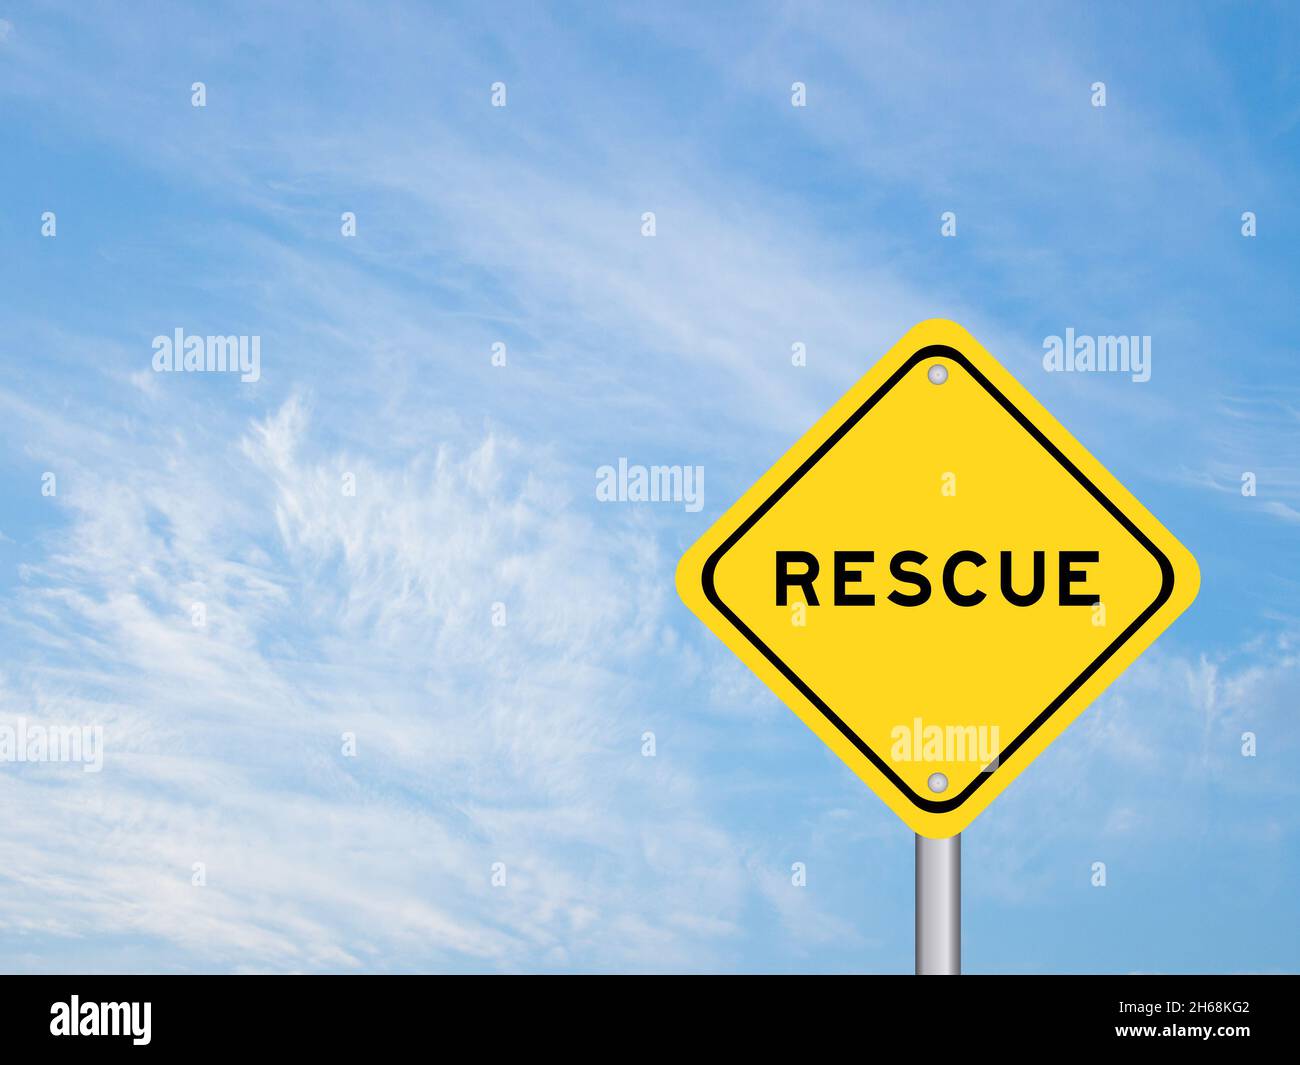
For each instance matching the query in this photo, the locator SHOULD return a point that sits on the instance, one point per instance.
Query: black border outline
(939, 351)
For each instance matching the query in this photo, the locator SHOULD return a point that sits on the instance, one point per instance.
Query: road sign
(937, 578)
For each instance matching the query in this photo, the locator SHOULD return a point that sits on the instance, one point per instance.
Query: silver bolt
(938, 373)
(938, 782)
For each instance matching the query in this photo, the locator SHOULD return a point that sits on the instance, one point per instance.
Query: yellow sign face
(937, 578)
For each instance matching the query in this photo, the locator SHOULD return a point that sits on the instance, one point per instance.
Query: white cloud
(368, 614)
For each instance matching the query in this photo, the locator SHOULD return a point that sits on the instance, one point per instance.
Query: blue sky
(371, 613)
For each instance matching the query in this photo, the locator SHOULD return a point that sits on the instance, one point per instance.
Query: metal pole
(938, 906)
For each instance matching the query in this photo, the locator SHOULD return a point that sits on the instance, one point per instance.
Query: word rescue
(960, 579)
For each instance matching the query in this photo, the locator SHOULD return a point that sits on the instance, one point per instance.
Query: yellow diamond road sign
(937, 578)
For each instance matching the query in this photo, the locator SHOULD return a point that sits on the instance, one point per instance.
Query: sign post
(938, 906)
(937, 578)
